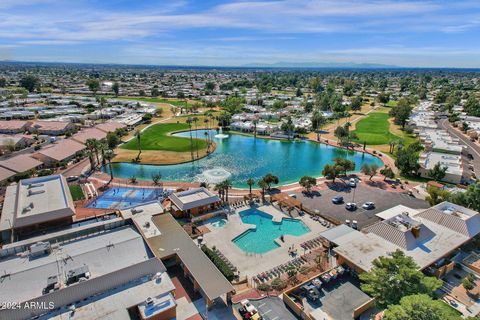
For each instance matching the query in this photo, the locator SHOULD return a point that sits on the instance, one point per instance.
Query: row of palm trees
(264, 184)
(95, 148)
(192, 122)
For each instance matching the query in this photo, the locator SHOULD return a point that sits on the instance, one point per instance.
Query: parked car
(470, 156)
(352, 182)
(368, 205)
(352, 206)
(72, 178)
(337, 199)
(293, 195)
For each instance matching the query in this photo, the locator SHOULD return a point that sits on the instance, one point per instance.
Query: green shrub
(219, 263)
(279, 284)
(264, 287)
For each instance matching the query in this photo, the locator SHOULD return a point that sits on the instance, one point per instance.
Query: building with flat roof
(428, 236)
(170, 243)
(14, 126)
(21, 163)
(33, 203)
(54, 128)
(106, 272)
(15, 142)
(456, 171)
(61, 151)
(195, 201)
(110, 126)
(90, 133)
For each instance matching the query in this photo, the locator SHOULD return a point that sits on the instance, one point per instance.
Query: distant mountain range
(313, 65)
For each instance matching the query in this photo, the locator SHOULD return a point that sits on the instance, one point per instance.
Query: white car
(352, 206)
(368, 205)
(352, 182)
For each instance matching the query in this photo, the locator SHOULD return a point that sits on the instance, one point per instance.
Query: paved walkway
(250, 264)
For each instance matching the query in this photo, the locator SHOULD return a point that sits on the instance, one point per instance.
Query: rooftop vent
(416, 231)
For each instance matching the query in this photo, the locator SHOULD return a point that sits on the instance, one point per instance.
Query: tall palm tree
(220, 188)
(195, 120)
(227, 184)
(89, 153)
(138, 135)
(189, 122)
(250, 182)
(255, 121)
(108, 155)
(264, 186)
(92, 145)
(102, 145)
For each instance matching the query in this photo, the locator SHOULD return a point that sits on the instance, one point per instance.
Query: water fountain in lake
(213, 176)
(221, 135)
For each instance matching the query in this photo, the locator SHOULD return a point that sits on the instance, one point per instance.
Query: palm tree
(195, 120)
(90, 156)
(156, 178)
(108, 155)
(138, 135)
(220, 188)
(92, 145)
(264, 186)
(318, 120)
(102, 145)
(227, 184)
(189, 122)
(250, 182)
(255, 121)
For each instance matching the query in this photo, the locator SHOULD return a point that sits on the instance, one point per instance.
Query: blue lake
(243, 157)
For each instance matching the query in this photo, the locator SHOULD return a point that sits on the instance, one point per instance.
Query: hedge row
(219, 263)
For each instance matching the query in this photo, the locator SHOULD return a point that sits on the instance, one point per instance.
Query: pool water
(261, 239)
(121, 197)
(240, 157)
(216, 222)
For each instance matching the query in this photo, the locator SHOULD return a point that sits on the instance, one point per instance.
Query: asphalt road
(472, 147)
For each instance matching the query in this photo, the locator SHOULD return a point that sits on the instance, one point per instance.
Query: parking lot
(271, 308)
(322, 201)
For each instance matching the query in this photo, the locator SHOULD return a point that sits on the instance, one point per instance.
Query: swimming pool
(241, 157)
(261, 239)
(122, 197)
(216, 222)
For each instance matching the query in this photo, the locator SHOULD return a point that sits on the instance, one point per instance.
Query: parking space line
(275, 318)
(269, 310)
(263, 304)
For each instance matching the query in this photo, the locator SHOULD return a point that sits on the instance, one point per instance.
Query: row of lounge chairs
(224, 259)
(279, 270)
(322, 221)
(238, 204)
(311, 244)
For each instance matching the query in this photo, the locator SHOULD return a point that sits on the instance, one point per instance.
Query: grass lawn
(392, 103)
(374, 129)
(157, 137)
(176, 103)
(76, 192)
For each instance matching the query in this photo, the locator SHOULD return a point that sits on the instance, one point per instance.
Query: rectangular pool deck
(248, 264)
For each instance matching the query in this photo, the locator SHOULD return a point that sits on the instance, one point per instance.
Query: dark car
(337, 199)
(470, 156)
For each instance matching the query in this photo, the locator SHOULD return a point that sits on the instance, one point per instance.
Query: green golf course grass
(177, 103)
(157, 137)
(375, 129)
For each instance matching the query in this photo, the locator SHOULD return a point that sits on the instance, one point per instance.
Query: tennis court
(122, 197)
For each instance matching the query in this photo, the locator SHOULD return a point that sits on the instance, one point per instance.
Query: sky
(407, 33)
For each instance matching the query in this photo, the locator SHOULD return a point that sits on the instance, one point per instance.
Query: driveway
(322, 201)
(472, 147)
